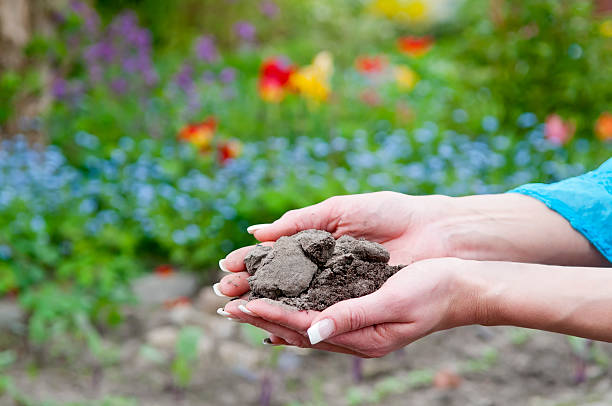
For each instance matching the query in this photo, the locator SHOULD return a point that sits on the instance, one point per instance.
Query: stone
(317, 244)
(153, 289)
(254, 258)
(278, 275)
(163, 338)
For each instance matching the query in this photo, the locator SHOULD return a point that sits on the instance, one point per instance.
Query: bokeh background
(141, 137)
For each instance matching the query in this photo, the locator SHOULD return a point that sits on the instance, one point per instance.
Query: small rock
(239, 355)
(163, 338)
(278, 275)
(362, 249)
(208, 302)
(317, 244)
(156, 289)
(253, 260)
(219, 327)
(12, 316)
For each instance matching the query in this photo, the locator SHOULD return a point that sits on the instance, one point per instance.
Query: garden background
(141, 137)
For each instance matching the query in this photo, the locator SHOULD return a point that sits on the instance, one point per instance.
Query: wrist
(473, 294)
(512, 227)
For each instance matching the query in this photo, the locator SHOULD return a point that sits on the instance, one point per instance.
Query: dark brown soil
(312, 270)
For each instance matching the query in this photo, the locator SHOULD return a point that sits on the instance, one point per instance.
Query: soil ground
(474, 366)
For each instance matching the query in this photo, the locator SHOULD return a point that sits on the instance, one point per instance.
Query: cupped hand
(405, 225)
(420, 299)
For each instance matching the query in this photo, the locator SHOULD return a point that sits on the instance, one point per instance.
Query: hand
(420, 299)
(507, 227)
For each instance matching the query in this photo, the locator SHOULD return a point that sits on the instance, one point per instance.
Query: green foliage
(485, 362)
(539, 56)
(185, 355)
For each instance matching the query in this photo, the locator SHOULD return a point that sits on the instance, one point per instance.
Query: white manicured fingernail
(320, 331)
(244, 310)
(217, 291)
(255, 227)
(223, 313)
(223, 268)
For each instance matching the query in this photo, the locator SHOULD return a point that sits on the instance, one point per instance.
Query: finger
(352, 314)
(289, 336)
(237, 309)
(282, 314)
(234, 261)
(319, 216)
(233, 285)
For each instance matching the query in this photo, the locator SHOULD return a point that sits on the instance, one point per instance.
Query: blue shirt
(585, 201)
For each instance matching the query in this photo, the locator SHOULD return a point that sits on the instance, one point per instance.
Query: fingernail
(223, 313)
(320, 331)
(267, 341)
(217, 291)
(223, 268)
(255, 227)
(244, 310)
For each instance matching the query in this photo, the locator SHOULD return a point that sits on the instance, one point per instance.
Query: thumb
(318, 216)
(350, 315)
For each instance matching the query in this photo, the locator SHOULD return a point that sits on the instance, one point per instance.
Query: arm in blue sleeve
(585, 201)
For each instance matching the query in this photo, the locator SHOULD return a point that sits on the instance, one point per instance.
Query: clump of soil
(312, 270)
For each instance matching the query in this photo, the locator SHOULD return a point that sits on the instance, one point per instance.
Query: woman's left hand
(422, 298)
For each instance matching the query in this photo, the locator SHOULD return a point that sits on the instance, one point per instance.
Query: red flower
(558, 131)
(228, 150)
(164, 270)
(370, 64)
(415, 46)
(200, 134)
(603, 127)
(274, 79)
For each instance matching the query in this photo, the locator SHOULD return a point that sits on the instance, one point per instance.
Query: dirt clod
(312, 270)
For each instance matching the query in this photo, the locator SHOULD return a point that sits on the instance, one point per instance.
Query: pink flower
(558, 131)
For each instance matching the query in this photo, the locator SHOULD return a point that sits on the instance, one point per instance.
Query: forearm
(569, 300)
(514, 227)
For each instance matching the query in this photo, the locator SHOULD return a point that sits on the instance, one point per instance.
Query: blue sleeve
(585, 201)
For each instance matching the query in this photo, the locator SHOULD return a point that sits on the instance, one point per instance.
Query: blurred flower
(405, 77)
(164, 270)
(269, 8)
(558, 131)
(200, 134)
(405, 10)
(205, 49)
(404, 113)
(59, 88)
(415, 46)
(227, 75)
(184, 79)
(245, 31)
(119, 85)
(312, 81)
(414, 11)
(274, 76)
(370, 97)
(606, 28)
(229, 150)
(603, 127)
(370, 64)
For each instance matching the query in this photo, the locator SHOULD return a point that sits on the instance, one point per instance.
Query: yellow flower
(312, 81)
(405, 77)
(402, 10)
(606, 28)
